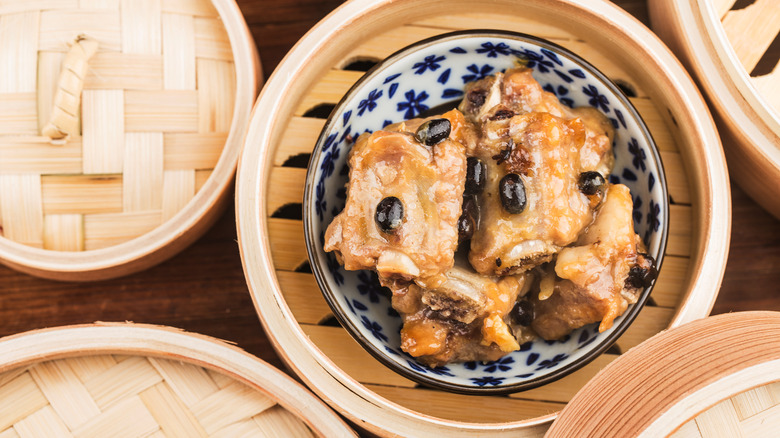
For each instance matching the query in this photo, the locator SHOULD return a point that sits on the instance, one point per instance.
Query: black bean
(498, 261)
(522, 313)
(591, 182)
(643, 274)
(433, 131)
(502, 114)
(476, 175)
(467, 223)
(466, 227)
(477, 97)
(389, 214)
(512, 191)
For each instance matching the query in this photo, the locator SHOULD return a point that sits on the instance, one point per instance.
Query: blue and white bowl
(431, 73)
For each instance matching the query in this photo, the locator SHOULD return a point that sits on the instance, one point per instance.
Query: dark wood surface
(203, 290)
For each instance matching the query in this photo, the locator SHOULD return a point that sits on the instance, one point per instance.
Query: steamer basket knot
(64, 120)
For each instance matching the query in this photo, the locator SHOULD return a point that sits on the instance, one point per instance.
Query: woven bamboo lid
(732, 48)
(129, 380)
(715, 377)
(120, 127)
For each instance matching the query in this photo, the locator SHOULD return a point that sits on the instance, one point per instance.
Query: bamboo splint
(154, 118)
(305, 316)
(165, 393)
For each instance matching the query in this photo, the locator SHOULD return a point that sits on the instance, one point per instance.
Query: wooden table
(203, 289)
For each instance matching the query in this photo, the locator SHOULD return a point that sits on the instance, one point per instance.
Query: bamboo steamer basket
(154, 137)
(134, 380)
(712, 378)
(285, 126)
(722, 47)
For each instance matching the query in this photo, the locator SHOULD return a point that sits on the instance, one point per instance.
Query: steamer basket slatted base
(312, 311)
(291, 306)
(156, 130)
(129, 381)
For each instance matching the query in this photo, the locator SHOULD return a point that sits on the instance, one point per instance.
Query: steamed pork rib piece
(596, 277)
(543, 152)
(403, 203)
(515, 90)
(464, 318)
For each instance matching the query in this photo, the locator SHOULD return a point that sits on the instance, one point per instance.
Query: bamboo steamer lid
(120, 128)
(715, 377)
(134, 380)
(732, 51)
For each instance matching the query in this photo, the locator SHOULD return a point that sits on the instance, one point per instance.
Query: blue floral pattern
(369, 103)
(413, 105)
(434, 75)
(476, 72)
(430, 63)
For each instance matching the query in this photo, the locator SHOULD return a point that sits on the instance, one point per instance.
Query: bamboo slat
(210, 39)
(178, 32)
(143, 171)
(104, 395)
(141, 26)
(762, 19)
(156, 113)
(61, 26)
(63, 232)
(177, 190)
(284, 131)
(18, 113)
(86, 194)
(116, 70)
(103, 130)
(18, 56)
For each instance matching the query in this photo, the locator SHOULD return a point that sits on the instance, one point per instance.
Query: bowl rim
(351, 327)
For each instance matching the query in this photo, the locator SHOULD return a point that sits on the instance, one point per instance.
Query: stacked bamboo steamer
(732, 51)
(284, 128)
(111, 180)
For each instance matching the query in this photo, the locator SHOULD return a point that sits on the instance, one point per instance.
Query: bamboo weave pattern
(155, 114)
(133, 396)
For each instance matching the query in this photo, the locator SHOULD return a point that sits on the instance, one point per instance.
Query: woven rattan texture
(133, 396)
(155, 114)
(754, 413)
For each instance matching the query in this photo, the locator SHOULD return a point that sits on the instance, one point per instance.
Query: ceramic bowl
(425, 75)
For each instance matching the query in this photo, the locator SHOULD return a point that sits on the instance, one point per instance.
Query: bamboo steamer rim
(328, 42)
(192, 220)
(170, 343)
(659, 390)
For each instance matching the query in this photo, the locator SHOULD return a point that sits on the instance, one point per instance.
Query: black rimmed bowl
(432, 73)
